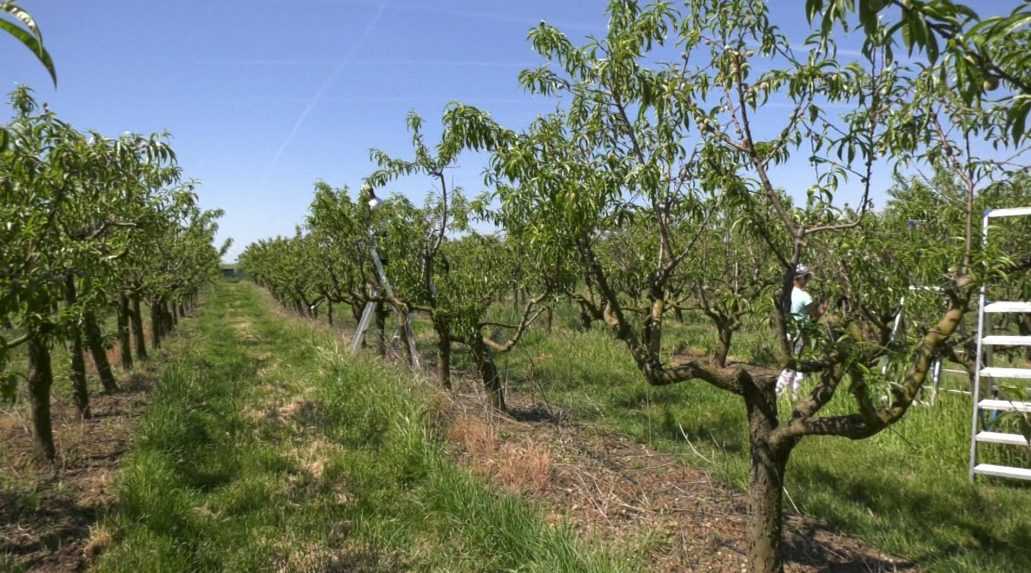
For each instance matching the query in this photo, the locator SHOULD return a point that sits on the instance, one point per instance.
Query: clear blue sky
(264, 97)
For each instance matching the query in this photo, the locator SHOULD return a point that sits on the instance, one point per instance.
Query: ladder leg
(937, 380)
(975, 392)
(363, 326)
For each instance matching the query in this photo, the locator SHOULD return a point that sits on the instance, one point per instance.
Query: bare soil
(48, 513)
(614, 490)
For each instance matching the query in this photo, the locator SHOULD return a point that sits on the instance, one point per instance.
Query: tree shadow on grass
(972, 515)
(37, 532)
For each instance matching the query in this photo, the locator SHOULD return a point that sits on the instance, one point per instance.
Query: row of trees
(660, 186)
(89, 227)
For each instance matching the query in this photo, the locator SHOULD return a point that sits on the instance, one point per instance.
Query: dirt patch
(48, 515)
(612, 488)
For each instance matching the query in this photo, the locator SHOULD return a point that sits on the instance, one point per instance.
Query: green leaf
(1018, 120)
(812, 8)
(34, 44)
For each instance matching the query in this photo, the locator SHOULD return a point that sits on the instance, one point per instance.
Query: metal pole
(979, 362)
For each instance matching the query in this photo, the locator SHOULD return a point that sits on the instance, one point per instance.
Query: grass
(904, 490)
(266, 448)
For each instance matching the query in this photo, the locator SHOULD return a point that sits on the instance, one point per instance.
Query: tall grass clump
(407, 492)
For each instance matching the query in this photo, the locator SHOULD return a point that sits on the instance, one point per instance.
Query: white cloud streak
(321, 92)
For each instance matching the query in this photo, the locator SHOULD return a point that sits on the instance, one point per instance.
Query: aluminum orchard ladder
(985, 342)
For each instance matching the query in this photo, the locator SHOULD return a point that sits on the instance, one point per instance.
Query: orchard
(661, 195)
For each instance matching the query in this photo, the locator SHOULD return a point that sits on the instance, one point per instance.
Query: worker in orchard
(803, 311)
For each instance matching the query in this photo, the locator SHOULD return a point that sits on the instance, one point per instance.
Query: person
(802, 311)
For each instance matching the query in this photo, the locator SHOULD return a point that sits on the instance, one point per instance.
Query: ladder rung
(1011, 212)
(1004, 405)
(1003, 340)
(954, 371)
(1010, 373)
(1002, 471)
(1008, 306)
(1002, 438)
(964, 392)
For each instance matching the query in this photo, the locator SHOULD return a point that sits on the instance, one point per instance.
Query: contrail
(330, 79)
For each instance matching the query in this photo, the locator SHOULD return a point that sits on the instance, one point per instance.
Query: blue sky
(264, 97)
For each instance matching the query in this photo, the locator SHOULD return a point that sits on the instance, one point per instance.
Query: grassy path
(266, 448)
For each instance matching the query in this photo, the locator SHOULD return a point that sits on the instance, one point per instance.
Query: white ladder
(984, 344)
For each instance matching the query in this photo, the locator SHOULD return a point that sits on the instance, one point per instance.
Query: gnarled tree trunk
(136, 320)
(40, 379)
(725, 334)
(484, 359)
(78, 365)
(156, 323)
(766, 485)
(123, 332)
(95, 342)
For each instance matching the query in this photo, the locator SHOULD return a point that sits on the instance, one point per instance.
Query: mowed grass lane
(267, 448)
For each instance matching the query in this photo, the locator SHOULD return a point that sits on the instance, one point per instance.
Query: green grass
(904, 490)
(266, 448)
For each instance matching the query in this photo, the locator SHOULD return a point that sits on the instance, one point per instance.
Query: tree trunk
(182, 309)
(136, 320)
(95, 342)
(489, 374)
(381, 324)
(585, 319)
(40, 379)
(443, 352)
(329, 312)
(78, 365)
(156, 324)
(725, 335)
(123, 332)
(766, 486)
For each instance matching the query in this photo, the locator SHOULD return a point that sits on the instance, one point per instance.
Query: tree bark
(766, 485)
(156, 324)
(443, 330)
(95, 342)
(725, 335)
(484, 360)
(40, 379)
(123, 332)
(136, 320)
(586, 319)
(80, 389)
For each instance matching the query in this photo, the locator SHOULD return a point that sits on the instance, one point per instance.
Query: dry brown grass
(99, 540)
(520, 467)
